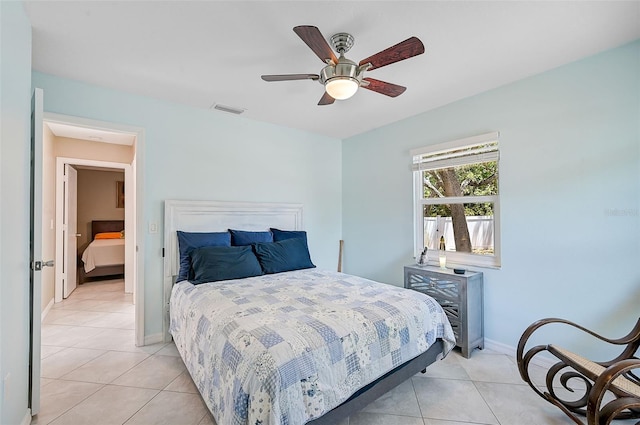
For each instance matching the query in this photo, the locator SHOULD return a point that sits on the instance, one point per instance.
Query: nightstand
(460, 295)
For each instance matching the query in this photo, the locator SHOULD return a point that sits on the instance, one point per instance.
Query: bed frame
(214, 216)
(101, 226)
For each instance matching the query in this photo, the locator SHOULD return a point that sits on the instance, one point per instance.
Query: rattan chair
(612, 387)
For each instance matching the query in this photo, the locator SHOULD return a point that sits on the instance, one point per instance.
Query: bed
(292, 347)
(103, 257)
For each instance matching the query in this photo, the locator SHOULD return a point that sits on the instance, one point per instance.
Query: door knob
(78, 235)
(38, 265)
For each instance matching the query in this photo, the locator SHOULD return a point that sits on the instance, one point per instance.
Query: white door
(70, 228)
(35, 254)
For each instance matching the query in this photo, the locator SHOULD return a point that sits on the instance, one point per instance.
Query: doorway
(90, 144)
(102, 206)
(43, 222)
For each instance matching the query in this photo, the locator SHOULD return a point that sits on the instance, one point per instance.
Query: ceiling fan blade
(382, 87)
(404, 50)
(326, 99)
(289, 77)
(313, 38)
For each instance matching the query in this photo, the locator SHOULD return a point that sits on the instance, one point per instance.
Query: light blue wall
(570, 162)
(15, 112)
(199, 154)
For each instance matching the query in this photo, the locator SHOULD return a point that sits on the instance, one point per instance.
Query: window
(456, 198)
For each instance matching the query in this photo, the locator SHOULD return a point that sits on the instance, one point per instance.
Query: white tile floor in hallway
(92, 373)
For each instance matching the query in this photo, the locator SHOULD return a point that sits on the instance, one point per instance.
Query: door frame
(128, 219)
(134, 189)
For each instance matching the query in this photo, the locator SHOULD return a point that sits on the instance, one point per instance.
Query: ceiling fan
(341, 77)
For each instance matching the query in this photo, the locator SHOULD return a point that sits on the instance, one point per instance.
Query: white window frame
(455, 258)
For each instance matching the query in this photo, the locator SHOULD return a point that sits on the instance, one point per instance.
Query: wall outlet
(153, 227)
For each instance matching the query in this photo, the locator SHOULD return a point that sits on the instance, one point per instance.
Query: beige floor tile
(208, 420)
(169, 350)
(79, 294)
(169, 408)
(55, 314)
(490, 367)
(453, 400)
(153, 348)
(399, 401)
(112, 320)
(60, 396)
(366, 418)
(68, 336)
(65, 361)
(129, 309)
(110, 405)
(50, 331)
(155, 372)
(47, 350)
(115, 307)
(518, 404)
(102, 285)
(449, 368)
(183, 384)
(111, 339)
(76, 318)
(83, 305)
(45, 381)
(65, 303)
(107, 367)
(428, 421)
(104, 295)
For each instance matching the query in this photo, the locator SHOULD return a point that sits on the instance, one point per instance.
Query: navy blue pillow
(242, 237)
(283, 256)
(280, 235)
(214, 263)
(188, 241)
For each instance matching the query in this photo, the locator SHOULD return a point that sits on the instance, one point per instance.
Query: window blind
(472, 150)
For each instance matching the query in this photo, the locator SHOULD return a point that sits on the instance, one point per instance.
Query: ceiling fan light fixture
(341, 77)
(341, 88)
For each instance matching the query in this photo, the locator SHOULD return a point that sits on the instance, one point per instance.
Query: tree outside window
(457, 198)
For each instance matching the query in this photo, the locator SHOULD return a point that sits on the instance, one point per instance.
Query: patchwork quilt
(285, 348)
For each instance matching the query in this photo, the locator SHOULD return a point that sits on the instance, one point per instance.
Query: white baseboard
(27, 418)
(499, 347)
(542, 360)
(46, 310)
(153, 339)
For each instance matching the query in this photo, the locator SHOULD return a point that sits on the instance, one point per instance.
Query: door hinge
(162, 252)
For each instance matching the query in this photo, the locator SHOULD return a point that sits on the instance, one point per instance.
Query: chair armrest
(613, 379)
(632, 337)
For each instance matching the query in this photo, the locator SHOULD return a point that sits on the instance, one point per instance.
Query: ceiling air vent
(230, 109)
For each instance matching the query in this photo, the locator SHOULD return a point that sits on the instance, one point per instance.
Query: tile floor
(92, 373)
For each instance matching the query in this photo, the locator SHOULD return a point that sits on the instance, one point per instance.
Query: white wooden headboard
(217, 216)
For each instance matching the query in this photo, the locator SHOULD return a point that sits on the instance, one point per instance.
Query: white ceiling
(202, 53)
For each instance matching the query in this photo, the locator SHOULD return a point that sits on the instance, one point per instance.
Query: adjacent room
(328, 212)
